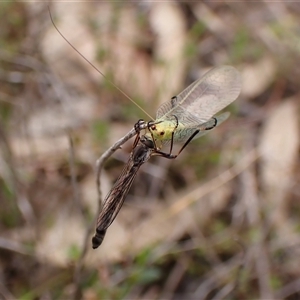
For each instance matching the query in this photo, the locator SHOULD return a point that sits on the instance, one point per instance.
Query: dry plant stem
(263, 269)
(288, 290)
(76, 200)
(100, 161)
(79, 266)
(45, 76)
(21, 198)
(223, 293)
(174, 278)
(14, 246)
(210, 186)
(77, 205)
(216, 276)
(99, 166)
(262, 264)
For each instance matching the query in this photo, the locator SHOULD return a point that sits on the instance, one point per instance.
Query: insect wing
(218, 119)
(203, 98)
(116, 197)
(183, 135)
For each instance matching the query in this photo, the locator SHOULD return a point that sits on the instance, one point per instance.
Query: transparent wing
(203, 98)
(220, 119)
(182, 135)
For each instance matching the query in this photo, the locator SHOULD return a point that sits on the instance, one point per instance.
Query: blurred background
(221, 221)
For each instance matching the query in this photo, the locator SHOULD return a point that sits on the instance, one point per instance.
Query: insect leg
(138, 128)
(202, 128)
(140, 125)
(149, 124)
(171, 156)
(197, 131)
(172, 139)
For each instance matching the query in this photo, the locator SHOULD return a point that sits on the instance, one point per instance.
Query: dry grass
(219, 222)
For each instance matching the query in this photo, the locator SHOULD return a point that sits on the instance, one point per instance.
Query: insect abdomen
(98, 238)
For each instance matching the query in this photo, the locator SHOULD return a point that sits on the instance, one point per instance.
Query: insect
(181, 119)
(185, 117)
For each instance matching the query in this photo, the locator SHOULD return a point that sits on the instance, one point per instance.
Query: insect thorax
(163, 131)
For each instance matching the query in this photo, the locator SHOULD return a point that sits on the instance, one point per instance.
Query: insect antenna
(104, 76)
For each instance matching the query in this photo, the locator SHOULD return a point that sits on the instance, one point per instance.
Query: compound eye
(153, 127)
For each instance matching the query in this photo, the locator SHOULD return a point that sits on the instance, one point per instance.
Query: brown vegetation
(219, 222)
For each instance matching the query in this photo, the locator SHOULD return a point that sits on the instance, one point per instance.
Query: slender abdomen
(98, 238)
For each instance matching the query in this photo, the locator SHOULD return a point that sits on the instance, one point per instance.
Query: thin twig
(218, 273)
(261, 259)
(76, 199)
(22, 200)
(76, 204)
(288, 290)
(99, 166)
(100, 161)
(189, 198)
(14, 246)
